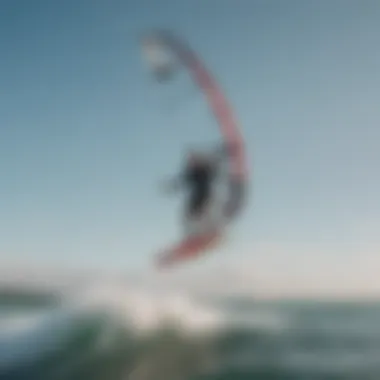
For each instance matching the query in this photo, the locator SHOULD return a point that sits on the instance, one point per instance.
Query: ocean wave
(146, 311)
(140, 331)
(108, 332)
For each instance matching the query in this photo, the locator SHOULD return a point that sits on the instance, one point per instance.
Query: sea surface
(108, 333)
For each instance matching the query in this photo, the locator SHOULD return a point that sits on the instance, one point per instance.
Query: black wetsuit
(199, 178)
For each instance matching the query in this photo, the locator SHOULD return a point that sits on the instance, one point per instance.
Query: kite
(165, 54)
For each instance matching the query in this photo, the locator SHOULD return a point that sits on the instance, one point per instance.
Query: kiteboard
(189, 248)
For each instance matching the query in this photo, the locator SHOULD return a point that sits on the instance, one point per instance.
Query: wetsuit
(199, 178)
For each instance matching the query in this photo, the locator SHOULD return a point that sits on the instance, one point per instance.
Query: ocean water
(116, 333)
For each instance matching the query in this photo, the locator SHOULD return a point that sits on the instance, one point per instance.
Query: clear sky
(86, 136)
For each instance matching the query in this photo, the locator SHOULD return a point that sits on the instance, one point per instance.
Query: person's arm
(219, 156)
(174, 184)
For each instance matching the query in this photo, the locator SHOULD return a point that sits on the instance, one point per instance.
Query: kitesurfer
(198, 176)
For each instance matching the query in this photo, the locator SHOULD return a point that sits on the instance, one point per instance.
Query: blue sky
(86, 136)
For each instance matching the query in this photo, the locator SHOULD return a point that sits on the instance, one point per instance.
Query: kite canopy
(165, 55)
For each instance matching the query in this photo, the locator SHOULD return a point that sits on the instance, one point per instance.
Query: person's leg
(196, 216)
